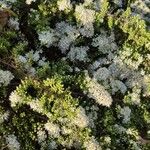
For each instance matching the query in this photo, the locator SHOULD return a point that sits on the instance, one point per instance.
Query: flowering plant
(75, 75)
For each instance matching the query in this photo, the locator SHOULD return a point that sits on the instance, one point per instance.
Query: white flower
(3, 4)
(92, 144)
(65, 29)
(146, 86)
(36, 56)
(98, 4)
(12, 142)
(84, 15)
(53, 145)
(141, 7)
(53, 129)
(118, 2)
(104, 43)
(135, 98)
(87, 30)
(64, 44)
(92, 115)
(98, 93)
(65, 130)
(96, 64)
(4, 116)
(64, 5)
(135, 80)
(117, 85)
(120, 129)
(29, 1)
(135, 145)
(35, 105)
(101, 74)
(81, 119)
(78, 53)
(14, 98)
(41, 135)
(42, 62)
(29, 59)
(87, 2)
(67, 34)
(47, 38)
(32, 71)
(125, 112)
(22, 59)
(14, 23)
(5, 77)
(107, 139)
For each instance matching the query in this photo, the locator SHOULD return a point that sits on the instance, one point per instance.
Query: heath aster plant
(74, 74)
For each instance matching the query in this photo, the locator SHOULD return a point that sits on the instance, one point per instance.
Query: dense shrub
(74, 75)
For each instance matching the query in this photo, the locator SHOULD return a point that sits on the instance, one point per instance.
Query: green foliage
(5, 42)
(43, 101)
(134, 27)
(103, 12)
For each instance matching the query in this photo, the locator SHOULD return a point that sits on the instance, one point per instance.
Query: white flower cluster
(92, 144)
(98, 93)
(135, 96)
(104, 43)
(84, 15)
(14, 98)
(125, 113)
(119, 70)
(107, 139)
(41, 135)
(5, 77)
(47, 38)
(29, 59)
(64, 5)
(141, 7)
(97, 64)
(29, 1)
(101, 74)
(117, 85)
(120, 129)
(135, 145)
(146, 86)
(53, 129)
(67, 34)
(92, 115)
(35, 105)
(12, 142)
(119, 76)
(13, 23)
(78, 54)
(65, 130)
(125, 57)
(88, 2)
(118, 2)
(87, 30)
(81, 119)
(53, 145)
(4, 116)
(135, 80)
(5, 3)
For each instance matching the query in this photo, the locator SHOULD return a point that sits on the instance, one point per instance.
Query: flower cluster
(5, 77)
(12, 142)
(29, 1)
(98, 92)
(74, 74)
